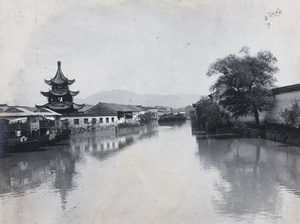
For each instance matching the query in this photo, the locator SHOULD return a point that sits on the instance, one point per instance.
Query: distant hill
(126, 97)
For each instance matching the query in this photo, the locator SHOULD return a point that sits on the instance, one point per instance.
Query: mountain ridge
(127, 97)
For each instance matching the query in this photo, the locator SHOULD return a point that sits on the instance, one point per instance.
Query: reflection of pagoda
(60, 98)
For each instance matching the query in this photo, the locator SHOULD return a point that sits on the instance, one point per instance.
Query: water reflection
(22, 172)
(172, 123)
(55, 167)
(251, 171)
(104, 145)
(174, 177)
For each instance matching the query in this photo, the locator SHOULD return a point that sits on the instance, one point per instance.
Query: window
(107, 120)
(76, 121)
(101, 120)
(86, 120)
(112, 119)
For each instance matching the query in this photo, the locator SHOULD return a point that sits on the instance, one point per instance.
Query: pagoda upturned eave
(59, 82)
(59, 92)
(57, 106)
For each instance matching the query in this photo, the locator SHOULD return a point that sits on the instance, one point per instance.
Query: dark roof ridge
(92, 107)
(284, 89)
(87, 112)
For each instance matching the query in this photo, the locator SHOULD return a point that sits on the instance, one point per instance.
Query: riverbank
(273, 135)
(122, 129)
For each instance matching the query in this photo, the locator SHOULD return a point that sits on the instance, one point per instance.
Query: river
(164, 174)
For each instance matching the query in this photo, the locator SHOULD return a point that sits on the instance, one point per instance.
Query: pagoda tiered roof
(64, 105)
(59, 92)
(60, 98)
(59, 78)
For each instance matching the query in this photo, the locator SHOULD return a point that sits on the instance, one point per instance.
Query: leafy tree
(209, 112)
(291, 116)
(147, 117)
(244, 82)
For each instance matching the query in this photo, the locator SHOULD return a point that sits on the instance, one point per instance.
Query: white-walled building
(284, 97)
(102, 115)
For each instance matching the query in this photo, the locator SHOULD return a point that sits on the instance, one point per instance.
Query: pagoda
(60, 98)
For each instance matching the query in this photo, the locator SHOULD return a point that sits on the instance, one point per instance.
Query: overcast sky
(162, 47)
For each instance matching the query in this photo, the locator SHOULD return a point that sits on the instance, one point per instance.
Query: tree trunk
(256, 116)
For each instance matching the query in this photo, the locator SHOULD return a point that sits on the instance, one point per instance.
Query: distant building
(28, 121)
(25, 122)
(124, 112)
(92, 115)
(60, 98)
(163, 110)
(103, 115)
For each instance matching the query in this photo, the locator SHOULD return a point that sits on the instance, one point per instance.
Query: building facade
(284, 97)
(102, 116)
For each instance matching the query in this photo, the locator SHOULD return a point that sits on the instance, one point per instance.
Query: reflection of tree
(285, 166)
(247, 184)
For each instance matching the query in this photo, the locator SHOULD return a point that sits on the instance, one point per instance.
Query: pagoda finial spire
(59, 64)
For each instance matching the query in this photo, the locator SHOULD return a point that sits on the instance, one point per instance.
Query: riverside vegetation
(243, 88)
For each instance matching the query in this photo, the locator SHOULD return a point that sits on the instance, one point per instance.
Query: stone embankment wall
(94, 128)
(118, 129)
(245, 132)
(288, 138)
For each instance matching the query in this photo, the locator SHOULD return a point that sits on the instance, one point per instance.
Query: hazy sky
(162, 47)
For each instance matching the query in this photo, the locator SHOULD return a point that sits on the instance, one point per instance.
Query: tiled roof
(23, 111)
(285, 89)
(100, 110)
(122, 108)
(16, 112)
(32, 109)
(59, 92)
(46, 112)
(109, 109)
(85, 108)
(61, 105)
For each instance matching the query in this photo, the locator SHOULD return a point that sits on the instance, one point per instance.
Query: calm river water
(163, 174)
